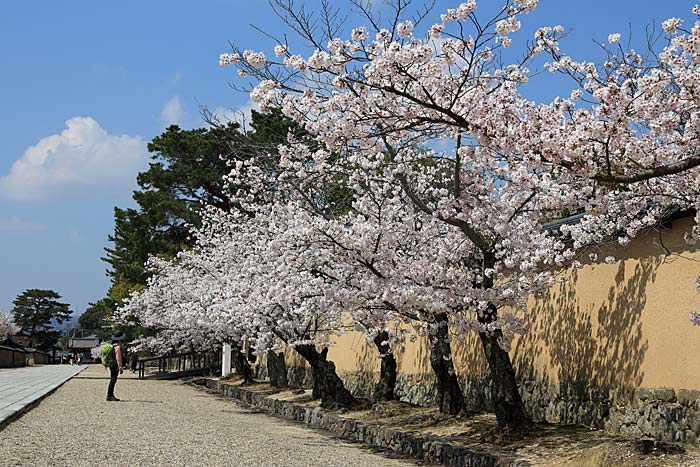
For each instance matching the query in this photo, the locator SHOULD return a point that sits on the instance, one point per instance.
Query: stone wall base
(660, 414)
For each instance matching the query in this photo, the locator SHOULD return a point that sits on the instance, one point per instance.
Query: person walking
(116, 366)
(133, 361)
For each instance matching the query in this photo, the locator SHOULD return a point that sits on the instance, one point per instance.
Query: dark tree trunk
(241, 363)
(450, 397)
(508, 406)
(384, 390)
(327, 384)
(252, 358)
(277, 369)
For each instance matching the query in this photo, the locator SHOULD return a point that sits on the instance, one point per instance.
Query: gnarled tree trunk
(508, 405)
(385, 387)
(277, 369)
(450, 397)
(327, 384)
(241, 363)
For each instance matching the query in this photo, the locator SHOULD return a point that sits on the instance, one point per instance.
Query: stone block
(672, 412)
(630, 417)
(687, 397)
(678, 436)
(614, 422)
(665, 394)
(660, 426)
(646, 426)
(644, 394)
(632, 431)
(694, 423)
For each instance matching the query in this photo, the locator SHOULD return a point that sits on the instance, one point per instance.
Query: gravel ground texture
(164, 424)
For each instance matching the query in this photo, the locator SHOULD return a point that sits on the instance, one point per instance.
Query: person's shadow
(134, 400)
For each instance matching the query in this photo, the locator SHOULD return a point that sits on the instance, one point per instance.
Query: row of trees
(360, 220)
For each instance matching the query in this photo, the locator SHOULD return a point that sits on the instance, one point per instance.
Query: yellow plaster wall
(619, 326)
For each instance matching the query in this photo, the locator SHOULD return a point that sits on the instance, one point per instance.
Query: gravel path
(164, 424)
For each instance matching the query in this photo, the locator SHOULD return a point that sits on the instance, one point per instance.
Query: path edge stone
(426, 448)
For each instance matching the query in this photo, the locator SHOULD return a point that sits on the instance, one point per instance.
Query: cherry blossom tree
(631, 118)
(418, 191)
(390, 264)
(185, 304)
(7, 327)
(284, 297)
(629, 130)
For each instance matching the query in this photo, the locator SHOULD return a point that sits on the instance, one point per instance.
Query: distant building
(28, 340)
(24, 337)
(83, 344)
(12, 353)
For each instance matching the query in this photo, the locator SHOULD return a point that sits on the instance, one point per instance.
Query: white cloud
(242, 115)
(17, 225)
(172, 112)
(82, 158)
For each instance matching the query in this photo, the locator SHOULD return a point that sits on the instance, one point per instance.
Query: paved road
(21, 387)
(164, 424)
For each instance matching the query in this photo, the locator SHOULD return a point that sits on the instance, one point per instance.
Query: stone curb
(427, 448)
(36, 400)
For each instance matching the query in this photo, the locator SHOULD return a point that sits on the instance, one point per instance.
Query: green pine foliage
(185, 174)
(39, 311)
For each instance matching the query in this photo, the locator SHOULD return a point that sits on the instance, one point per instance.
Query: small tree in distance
(39, 310)
(7, 327)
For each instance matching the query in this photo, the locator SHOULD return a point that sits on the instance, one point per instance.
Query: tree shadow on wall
(366, 361)
(421, 357)
(589, 348)
(365, 353)
(468, 355)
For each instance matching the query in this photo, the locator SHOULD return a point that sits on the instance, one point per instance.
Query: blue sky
(84, 85)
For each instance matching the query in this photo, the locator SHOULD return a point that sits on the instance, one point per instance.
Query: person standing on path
(133, 361)
(116, 367)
